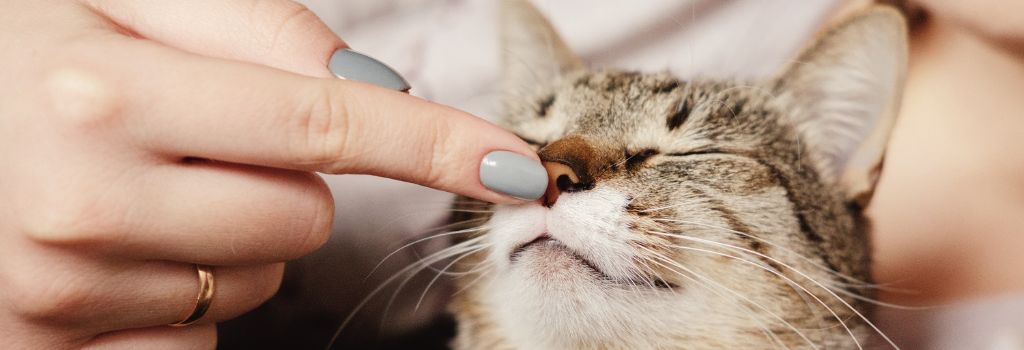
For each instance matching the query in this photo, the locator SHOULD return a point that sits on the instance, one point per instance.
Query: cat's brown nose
(572, 163)
(560, 178)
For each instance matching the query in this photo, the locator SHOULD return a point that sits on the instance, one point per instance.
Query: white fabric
(448, 49)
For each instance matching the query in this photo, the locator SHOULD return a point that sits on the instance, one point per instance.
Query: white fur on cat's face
(545, 297)
(546, 279)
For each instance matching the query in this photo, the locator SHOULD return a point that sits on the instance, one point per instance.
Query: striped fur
(715, 215)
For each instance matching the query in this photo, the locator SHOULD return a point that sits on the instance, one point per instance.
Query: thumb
(277, 33)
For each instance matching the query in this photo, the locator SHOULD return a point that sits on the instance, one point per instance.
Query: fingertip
(514, 175)
(346, 63)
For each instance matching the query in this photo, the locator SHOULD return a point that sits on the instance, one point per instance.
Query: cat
(684, 214)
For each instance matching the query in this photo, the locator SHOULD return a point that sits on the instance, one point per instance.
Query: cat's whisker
(802, 274)
(650, 281)
(466, 200)
(671, 263)
(473, 211)
(446, 267)
(633, 285)
(788, 280)
(398, 217)
(470, 284)
(433, 258)
(488, 207)
(452, 251)
(477, 268)
(758, 88)
(439, 271)
(751, 315)
(648, 210)
(428, 231)
(448, 253)
(624, 161)
(645, 276)
(887, 287)
(453, 224)
(773, 244)
(882, 303)
(444, 234)
(791, 283)
(800, 291)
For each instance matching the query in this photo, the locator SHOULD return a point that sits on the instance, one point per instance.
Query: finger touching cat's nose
(386, 133)
(513, 174)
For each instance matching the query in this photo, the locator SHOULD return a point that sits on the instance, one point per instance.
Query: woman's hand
(139, 138)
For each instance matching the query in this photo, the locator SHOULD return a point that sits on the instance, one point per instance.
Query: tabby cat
(684, 214)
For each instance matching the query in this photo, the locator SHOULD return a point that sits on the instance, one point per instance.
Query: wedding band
(203, 300)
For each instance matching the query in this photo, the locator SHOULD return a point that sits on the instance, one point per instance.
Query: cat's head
(697, 214)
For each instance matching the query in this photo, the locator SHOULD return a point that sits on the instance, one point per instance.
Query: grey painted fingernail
(514, 175)
(349, 64)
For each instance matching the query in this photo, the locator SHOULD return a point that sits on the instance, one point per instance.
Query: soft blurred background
(950, 208)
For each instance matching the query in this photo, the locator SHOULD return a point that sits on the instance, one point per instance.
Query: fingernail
(352, 65)
(514, 175)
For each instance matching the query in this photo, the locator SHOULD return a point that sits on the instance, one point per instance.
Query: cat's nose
(571, 164)
(560, 178)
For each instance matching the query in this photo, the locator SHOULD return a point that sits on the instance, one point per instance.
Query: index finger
(245, 113)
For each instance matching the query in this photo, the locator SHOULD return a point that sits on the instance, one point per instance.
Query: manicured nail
(514, 175)
(348, 64)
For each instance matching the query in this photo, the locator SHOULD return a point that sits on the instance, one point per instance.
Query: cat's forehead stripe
(679, 116)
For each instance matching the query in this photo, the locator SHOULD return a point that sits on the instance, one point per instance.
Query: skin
(998, 22)
(138, 138)
(946, 213)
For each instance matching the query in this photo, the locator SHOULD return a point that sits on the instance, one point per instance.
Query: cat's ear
(532, 53)
(844, 92)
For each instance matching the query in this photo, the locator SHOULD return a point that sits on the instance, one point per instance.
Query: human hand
(139, 138)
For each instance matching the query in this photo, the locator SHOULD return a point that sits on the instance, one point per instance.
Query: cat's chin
(549, 262)
(552, 298)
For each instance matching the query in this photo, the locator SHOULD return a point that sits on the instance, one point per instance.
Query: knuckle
(439, 158)
(260, 284)
(49, 300)
(269, 284)
(318, 223)
(80, 98)
(322, 131)
(288, 22)
(71, 220)
(207, 339)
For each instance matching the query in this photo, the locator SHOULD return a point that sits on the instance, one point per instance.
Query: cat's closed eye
(695, 153)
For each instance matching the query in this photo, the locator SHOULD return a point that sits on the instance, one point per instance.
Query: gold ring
(204, 299)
